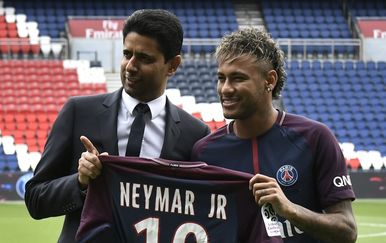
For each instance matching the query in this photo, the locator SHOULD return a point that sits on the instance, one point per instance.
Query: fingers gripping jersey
(156, 201)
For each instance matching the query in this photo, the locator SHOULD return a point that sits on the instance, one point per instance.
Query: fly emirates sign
(372, 28)
(96, 28)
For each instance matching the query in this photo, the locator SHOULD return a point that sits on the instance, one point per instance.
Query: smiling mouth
(227, 102)
(132, 80)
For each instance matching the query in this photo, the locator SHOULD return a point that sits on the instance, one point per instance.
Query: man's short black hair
(160, 25)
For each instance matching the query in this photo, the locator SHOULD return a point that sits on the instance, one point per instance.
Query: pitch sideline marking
(374, 234)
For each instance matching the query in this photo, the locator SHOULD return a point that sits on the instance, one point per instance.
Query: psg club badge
(287, 175)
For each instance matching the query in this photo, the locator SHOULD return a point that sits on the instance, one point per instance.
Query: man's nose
(131, 64)
(225, 87)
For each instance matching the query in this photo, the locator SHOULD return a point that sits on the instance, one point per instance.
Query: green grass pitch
(16, 226)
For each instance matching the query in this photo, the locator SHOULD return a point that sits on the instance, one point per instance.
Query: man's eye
(238, 79)
(146, 59)
(127, 55)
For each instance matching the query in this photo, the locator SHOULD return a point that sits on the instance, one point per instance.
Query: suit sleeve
(54, 188)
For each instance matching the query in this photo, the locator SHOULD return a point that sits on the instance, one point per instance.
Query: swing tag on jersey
(271, 220)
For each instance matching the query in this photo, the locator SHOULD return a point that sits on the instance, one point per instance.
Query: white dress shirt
(153, 137)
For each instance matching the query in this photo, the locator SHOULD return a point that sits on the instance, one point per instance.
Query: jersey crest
(287, 175)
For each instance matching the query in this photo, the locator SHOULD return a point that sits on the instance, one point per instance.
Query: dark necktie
(137, 128)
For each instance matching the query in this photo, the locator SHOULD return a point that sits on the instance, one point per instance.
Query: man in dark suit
(152, 41)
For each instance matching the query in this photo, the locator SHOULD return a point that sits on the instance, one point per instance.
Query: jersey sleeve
(333, 180)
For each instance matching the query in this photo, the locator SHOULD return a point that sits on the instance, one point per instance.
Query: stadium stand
(374, 8)
(200, 19)
(33, 91)
(343, 95)
(301, 19)
(327, 80)
(310, 20)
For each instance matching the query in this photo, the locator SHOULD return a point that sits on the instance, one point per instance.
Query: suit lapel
(172, 131)
(108, 122)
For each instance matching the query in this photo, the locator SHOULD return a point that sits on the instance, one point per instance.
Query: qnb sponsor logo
(340, 181)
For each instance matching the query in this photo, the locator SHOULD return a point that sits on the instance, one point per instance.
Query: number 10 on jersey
(151, 228)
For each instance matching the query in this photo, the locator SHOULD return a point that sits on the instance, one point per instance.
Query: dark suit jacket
(54, 189)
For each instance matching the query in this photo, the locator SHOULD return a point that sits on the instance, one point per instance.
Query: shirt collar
(156, 106)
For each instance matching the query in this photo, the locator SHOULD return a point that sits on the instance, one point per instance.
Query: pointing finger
(88, 145)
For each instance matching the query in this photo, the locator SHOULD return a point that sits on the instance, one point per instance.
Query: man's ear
(174, 63)
(271, 79)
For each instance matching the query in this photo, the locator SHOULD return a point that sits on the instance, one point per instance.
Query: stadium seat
(8, 145)
(364, 159)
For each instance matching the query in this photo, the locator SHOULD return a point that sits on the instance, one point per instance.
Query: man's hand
(266, 190)
(89, 164)
(336, 224)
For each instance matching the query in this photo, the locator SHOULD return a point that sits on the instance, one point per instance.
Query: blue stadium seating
(375, 8)
(308, 20)
(200, 19)
(353, 104)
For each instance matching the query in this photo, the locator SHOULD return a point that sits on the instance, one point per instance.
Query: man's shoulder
(213, 137)
(89, 98)
(306, 126)
(91, 103)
